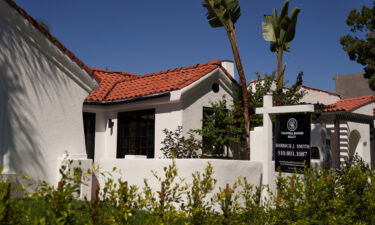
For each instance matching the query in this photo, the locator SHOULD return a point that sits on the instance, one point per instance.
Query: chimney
(229, 66)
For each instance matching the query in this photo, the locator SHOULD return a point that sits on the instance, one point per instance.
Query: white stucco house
(318, 96)
(131, 111)
(354, 137)
(311, 95)
(125, 118)
(52, 103)
(42, 88)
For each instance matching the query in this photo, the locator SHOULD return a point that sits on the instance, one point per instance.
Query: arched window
(354, 138)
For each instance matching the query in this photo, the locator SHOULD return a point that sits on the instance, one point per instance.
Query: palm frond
(220, 12)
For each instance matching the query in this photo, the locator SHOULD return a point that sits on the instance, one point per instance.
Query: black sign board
(292, 142)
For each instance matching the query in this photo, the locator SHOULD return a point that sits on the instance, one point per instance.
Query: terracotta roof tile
(117, 86)
(350, 104)
(107, 80)
(48, 35)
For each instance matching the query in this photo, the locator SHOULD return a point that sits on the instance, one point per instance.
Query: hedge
(344, 196)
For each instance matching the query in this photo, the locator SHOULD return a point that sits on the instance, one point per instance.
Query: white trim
(285, 109)
(203, 78)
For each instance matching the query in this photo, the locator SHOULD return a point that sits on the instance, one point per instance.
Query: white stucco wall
(315, 96)
(311, 96)
(41, 96)
(201, 95)
(168, 115)
(363, 147)
(225, 171)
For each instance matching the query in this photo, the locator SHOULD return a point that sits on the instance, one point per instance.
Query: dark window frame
(89, 122)
(130, 140)
(207, 111)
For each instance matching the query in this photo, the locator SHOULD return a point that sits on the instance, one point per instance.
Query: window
(89, 129)
(215, 87)
(136, 133)
(315, 153)
(206, 142)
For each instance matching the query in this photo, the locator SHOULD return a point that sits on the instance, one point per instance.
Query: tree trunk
(280, 74)
(233, 41)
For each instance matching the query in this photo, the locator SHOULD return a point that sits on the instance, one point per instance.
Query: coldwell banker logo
(292, 124)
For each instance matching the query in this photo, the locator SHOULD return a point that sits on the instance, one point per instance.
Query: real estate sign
(292, 142)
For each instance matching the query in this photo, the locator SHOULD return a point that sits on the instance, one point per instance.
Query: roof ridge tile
(215, 62)
(96, 70)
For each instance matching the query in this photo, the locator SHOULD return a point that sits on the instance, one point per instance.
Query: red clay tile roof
(114, 87)
(48, 35)
(350, 104)
(107, 80)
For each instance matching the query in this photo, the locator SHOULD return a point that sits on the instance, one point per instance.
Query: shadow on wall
(30, 86)
(17, 146)
(354, 138)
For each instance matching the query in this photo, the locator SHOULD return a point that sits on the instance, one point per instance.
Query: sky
(146, 36)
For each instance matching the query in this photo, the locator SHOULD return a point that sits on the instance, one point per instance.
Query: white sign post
(267, 110)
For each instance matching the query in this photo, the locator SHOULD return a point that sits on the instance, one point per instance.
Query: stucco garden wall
(41, 96)
(225, 171)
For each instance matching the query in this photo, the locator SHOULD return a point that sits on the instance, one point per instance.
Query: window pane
(315, 153)
(136, 132)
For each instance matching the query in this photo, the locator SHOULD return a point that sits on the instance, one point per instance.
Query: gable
(118, 87)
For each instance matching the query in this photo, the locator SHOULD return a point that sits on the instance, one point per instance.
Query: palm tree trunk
(233, 41)
(280, 74)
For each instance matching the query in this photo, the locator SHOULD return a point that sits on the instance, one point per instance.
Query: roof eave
(120, 101)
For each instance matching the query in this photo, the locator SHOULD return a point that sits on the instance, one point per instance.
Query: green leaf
(273, 47)
(220, 12)
(269, 18)
(214, 23)
(268, 32)
(284, 10)
(289, 36)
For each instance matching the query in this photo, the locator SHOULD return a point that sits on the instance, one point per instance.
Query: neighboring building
(42, 88)
(318, 96)
(354, 137)
(352, 85)
(132, 111)
(311, 95)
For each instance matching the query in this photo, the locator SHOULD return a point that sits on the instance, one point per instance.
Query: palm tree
(225, 13)
(280, 31)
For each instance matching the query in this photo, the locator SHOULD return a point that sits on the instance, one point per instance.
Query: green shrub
(176, 145)
(344, 196)
(199, 206)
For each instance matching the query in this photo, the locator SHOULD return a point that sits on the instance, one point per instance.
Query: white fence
(134, 171)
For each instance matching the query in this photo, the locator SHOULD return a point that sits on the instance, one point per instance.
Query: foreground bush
(345, 196)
